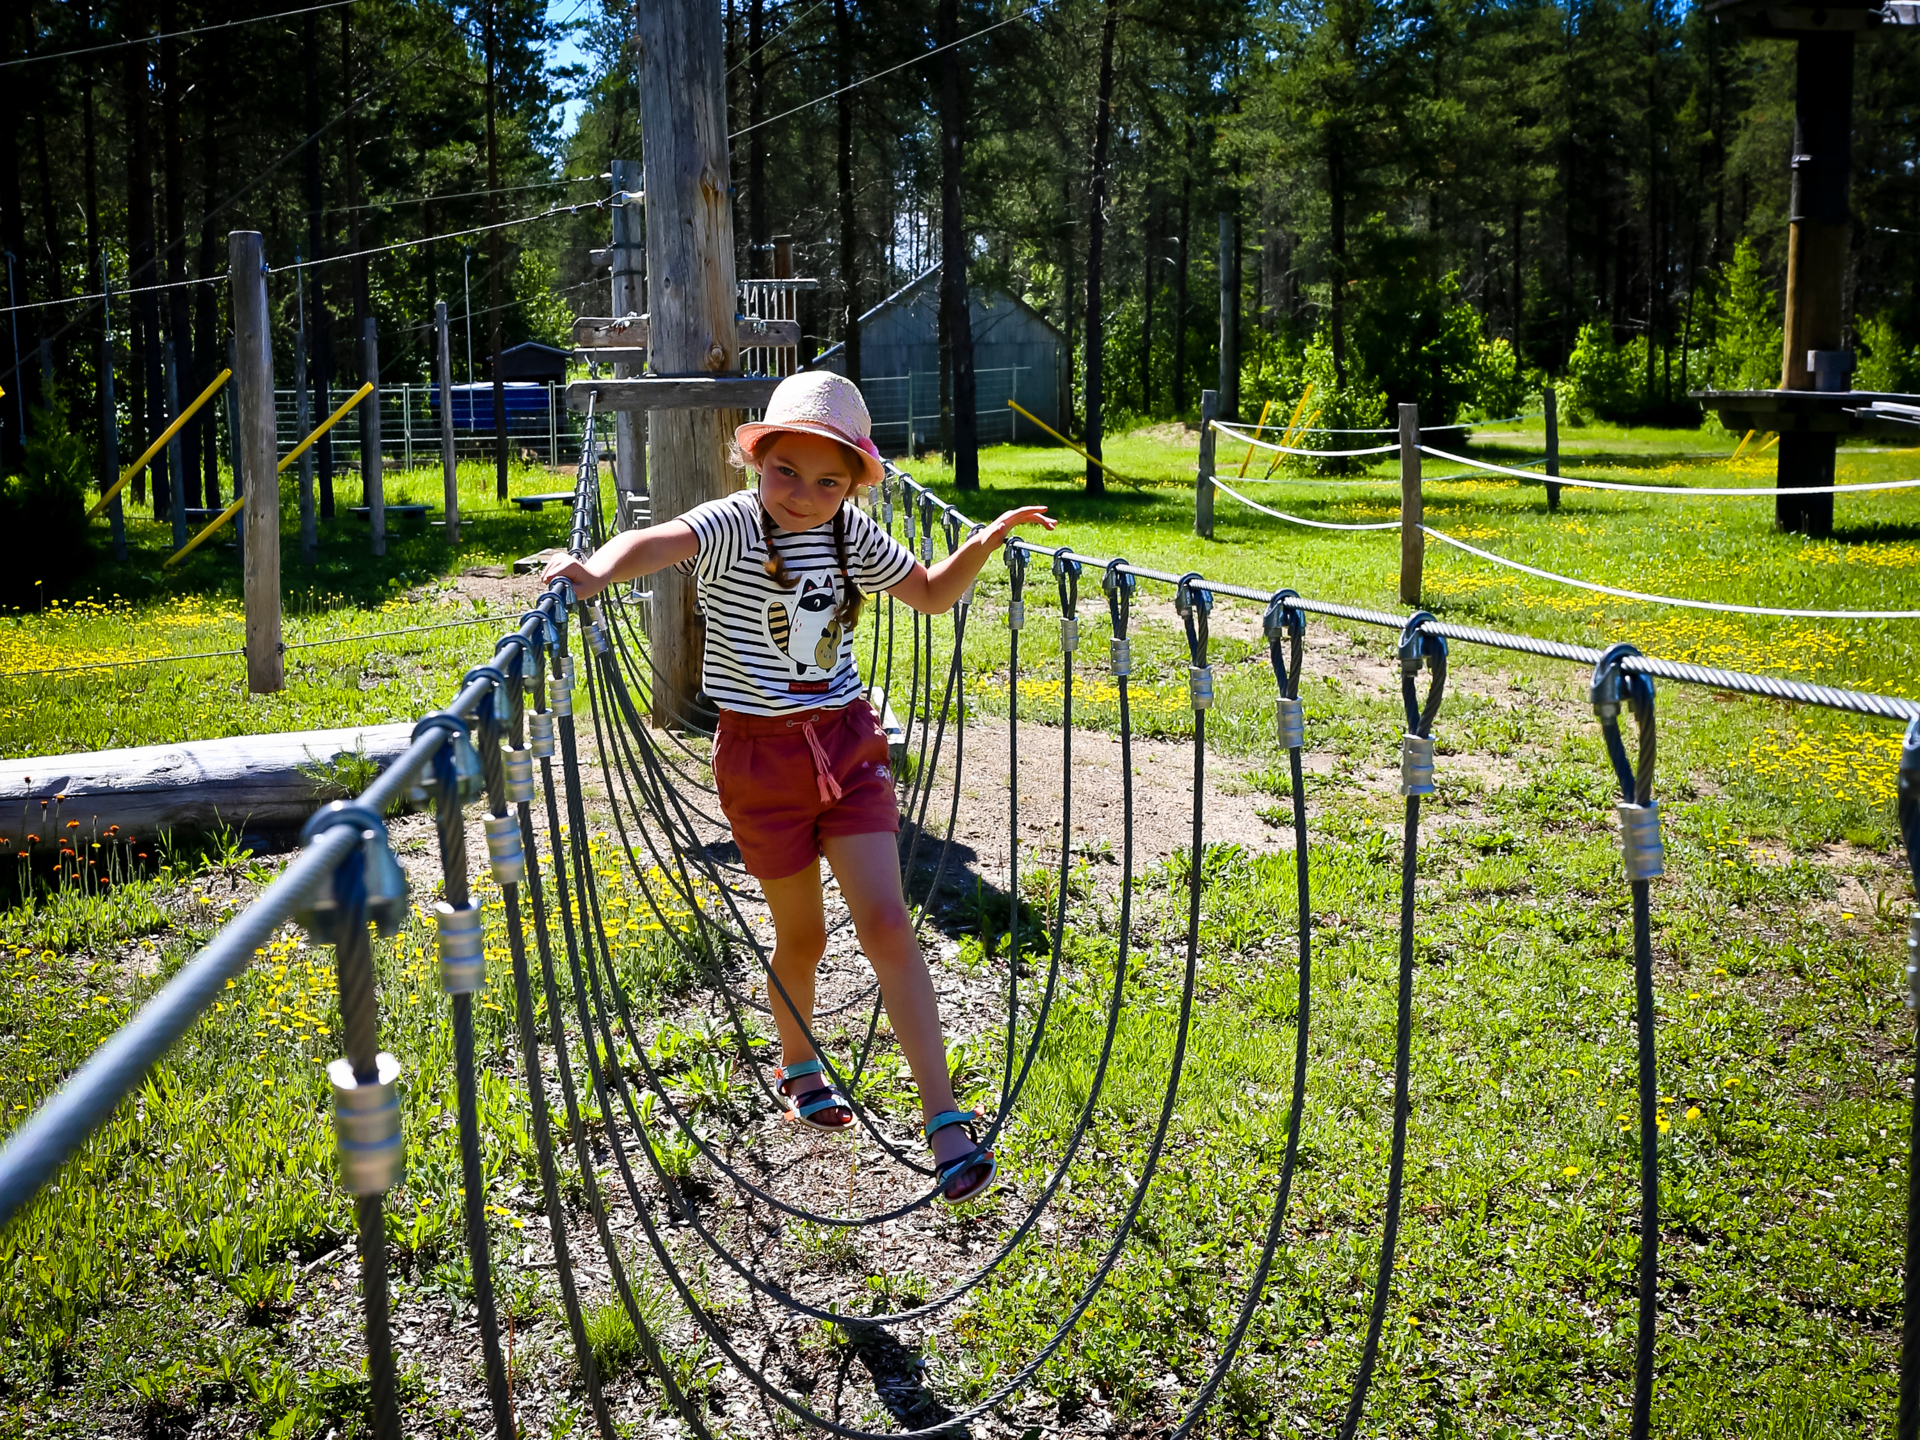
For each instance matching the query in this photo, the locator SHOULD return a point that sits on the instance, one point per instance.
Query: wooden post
(253, 379)
(629, 298)
(110, 423)
(1413, 540)
(372, 482)
(176, 479)
(1203, 476)
(449, 465)
(1817, 255)
(303, 423)
(1552, 403)
(692, 300)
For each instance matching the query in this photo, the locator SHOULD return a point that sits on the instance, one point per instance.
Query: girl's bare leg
(799, 942)
(868, 869)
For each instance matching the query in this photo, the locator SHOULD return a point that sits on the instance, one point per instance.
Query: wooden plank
(631, 333)
(674, 392)
(258, 781)
(1413, 540)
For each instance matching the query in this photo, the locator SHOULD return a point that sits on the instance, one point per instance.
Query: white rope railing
(1685, 491)
(1299, 519)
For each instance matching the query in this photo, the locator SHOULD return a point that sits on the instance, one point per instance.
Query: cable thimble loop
(886, 498)
(1288, 624)
(1016, 557)
(1119, 585)
(326, 915)
(456, 767)
(548, 636)
(1907, 805)
(1066, 579)
(519, 673)
(490, 707)
(1615, 687)
(926, 527)
(1418, 648)
(1193, 602)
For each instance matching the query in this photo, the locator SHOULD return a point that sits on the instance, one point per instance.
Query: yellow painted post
(1063, 439)
(1247, 459)
(158, 445)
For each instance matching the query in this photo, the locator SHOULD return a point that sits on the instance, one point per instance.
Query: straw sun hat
(819, 402)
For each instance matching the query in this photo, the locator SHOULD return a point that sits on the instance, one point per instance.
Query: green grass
(1777, 947)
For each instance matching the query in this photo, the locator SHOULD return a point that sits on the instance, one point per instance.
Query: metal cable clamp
(540, 734)
(1287, 623)
(926, 527)
(366, 1125)
(385, 881)
(520, 774)
(595, 626)
(463, 962)
(1119, 585)
(1016, 558)
(886, 499)
(1417, 648)
(1616, 688)
(468, 777)
(1194, 603)
(1066, 577)
(504, 854)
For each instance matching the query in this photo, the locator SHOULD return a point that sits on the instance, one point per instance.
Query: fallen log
(258, 783)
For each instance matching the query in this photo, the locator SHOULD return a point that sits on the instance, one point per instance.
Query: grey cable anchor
(1615, 686)
(1016, 558)
(1289, 623)
(540, 722)
(1066, 576)
(368, 887)
(1416, 648)
(1193, 602)
(927, 504)
(1119, 585)
(1907, 806)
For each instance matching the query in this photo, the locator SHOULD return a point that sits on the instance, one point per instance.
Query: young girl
(799, 759)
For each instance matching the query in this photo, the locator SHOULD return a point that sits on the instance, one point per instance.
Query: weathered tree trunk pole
(495, 260)
(233, 458)
(178, 492)
(629, 298)
(449, 462)
(253, 379)
(1229, 315)
(1413, 510)
(849, 227)
(372, 481)
(955, 303)
(692, 304)
(1816, 263)
(1096, 244)
(110, 417)
(1203, 474)
(303, 423)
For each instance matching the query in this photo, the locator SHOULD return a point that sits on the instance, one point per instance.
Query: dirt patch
(491, 586)
(1173, 432)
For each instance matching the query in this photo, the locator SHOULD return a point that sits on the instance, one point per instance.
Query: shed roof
(992, 295)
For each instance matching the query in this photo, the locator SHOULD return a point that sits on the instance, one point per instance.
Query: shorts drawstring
(822, 771)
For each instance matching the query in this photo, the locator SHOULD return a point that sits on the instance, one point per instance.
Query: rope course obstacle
(510, 742)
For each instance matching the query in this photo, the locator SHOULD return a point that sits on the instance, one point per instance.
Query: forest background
(1422, 200)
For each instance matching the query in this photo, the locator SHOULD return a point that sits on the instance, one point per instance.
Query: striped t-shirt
(771, 650)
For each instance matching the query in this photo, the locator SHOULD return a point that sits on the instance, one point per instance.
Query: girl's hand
(586, 584)
(1025, 515)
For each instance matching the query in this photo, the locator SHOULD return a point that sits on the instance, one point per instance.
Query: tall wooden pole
(109, 411)
(1551, 400)
(691, 330)
(1413, 509)
(629, 298)
(372, 481)
(1816, 262)
(253, 382)
(1229, 315)
(178, 490)
(494, 262)
(449, 462)
(1203, 475)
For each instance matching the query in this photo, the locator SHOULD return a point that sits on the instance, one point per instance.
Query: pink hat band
(819, 402)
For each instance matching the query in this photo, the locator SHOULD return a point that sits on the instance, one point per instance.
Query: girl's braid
(776, 565)
(849, 612)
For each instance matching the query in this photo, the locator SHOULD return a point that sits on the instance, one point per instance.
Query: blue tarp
(473, 406)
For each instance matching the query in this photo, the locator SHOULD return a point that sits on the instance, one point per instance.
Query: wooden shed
(1017, 355)
(531, 360)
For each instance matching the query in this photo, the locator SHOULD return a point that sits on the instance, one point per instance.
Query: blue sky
(568, 52)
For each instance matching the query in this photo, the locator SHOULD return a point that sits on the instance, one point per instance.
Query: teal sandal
(946, 1176)
(822, 1100)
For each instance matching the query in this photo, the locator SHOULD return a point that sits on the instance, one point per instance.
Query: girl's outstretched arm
(935, 591)
(627, 556)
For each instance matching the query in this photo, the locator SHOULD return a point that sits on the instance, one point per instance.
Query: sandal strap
(949, 1117)
(784, 1073)
(830, 1099)
(945, 1174)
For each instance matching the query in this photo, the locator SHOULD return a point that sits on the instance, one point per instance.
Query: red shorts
(778, 789)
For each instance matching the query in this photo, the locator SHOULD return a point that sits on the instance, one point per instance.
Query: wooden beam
(271, 781)
(253, 376)
(674, 392)
(631, 333)
(1413, 540)
(629, 262)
